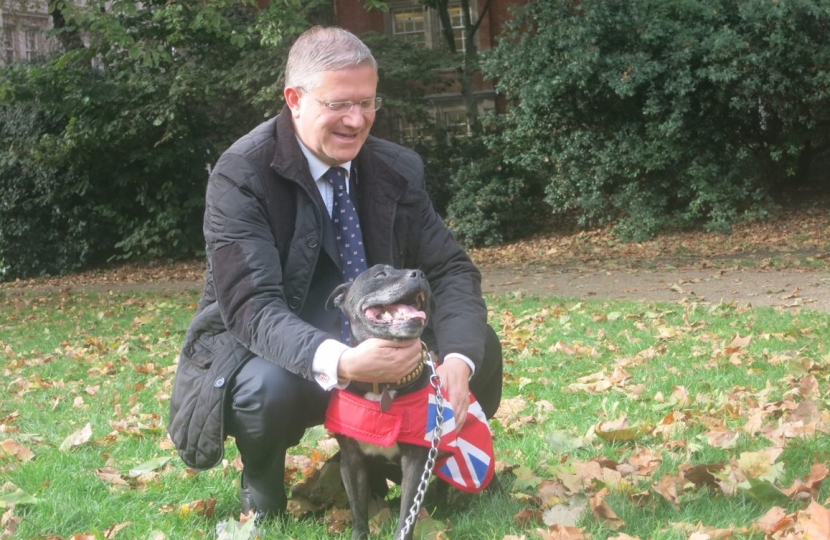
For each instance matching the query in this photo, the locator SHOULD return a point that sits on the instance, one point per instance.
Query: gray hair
(321, 49)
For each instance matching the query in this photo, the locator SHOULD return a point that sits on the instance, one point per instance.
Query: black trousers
(270, 409)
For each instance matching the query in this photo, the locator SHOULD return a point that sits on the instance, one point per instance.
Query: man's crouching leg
(269, 410)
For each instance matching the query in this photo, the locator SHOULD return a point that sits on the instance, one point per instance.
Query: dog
(393, 304)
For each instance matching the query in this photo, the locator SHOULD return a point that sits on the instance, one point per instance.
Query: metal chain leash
(435, 381)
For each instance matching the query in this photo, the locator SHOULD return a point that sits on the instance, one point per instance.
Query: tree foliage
(665, 113)
(105, 145)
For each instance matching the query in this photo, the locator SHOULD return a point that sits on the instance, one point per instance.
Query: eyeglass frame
(332, 105)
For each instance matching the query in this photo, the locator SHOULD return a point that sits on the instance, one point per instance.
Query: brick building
(408, 20)
(24, 24)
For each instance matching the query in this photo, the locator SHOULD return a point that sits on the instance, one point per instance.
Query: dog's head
(384, 302)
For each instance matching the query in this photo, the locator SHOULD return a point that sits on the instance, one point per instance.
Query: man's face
(334, 137)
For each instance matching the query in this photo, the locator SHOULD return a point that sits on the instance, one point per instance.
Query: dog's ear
(338, 296)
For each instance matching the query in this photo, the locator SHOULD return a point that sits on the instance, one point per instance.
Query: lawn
(619, 420)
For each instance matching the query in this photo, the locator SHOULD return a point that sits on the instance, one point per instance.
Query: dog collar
(382, 388)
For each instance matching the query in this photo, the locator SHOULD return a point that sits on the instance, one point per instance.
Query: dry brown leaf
(338, 520)
(112, 531)
(527, 518)
(603, 512)
(78, 438)
(202, 507)
(667, 487)
(702, 475)
(814, 522)
(511, 407)
(722, 438)
(10, 447)
(111, 476)
(562, 532)
(809, 488)
(551, 493)
(776, 519)
(618, 431)
(761, 464)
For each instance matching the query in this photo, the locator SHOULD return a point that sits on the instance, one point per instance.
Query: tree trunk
(68, 37)
(470, 63)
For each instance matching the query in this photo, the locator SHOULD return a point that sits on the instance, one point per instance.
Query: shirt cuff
(324, 365)
(465, 360)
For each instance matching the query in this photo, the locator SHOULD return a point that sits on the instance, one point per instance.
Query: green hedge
(660, 114)
(104, 149)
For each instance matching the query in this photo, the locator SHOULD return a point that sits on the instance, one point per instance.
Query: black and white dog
(383, 302)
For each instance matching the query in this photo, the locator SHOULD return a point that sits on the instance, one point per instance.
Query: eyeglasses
(344, 107)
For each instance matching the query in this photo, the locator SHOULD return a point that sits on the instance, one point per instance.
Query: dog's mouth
(408, 309)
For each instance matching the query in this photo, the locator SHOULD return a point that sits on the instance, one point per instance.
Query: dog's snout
(416, 274)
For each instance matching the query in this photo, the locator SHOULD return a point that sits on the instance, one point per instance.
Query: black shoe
(263, 505)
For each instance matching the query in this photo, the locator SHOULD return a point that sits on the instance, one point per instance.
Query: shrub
(105, 148)
(665, 113)
(493, 201)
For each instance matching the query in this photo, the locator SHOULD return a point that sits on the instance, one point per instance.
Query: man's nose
(355, 117)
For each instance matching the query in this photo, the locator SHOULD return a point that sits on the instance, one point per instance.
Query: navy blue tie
(348, 235)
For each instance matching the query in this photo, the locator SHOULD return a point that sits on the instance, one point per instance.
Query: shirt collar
(316, 165)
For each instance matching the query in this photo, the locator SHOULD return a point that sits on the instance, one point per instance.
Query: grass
(593, 391)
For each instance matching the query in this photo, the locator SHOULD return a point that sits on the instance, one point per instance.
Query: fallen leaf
(149, 466)
(12, 448)
(78, 438)
(16, 498)
(722, 438)
(763, 490)
(776, 519)
(814, 522)
(809, 488)
(112, 531)
(565, 514)
(202, 507)
(603, 512)
(111, 476)
(233, 530)
(562, 532)
(527, 517)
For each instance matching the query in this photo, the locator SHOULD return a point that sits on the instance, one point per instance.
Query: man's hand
(455, 377)
(379, 360)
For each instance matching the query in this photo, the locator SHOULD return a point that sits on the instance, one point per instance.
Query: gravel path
(788, 288)
(781, 288)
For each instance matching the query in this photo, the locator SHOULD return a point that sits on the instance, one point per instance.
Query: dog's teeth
(386, 316)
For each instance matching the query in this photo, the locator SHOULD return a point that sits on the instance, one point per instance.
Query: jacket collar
(289, 161)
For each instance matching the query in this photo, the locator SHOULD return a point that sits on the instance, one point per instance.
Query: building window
(31, 50)
(457, 21)
(410, 22)
(410, 25)
(8, 45)
(456, 122)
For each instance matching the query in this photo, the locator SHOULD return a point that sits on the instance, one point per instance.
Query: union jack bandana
(467, 460)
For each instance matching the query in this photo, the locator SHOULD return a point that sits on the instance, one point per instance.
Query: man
(262, 352)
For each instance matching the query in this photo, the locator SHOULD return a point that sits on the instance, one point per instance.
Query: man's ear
(338, 296)
(292, 99)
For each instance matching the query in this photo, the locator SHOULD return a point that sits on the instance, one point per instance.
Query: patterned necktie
(349, 237)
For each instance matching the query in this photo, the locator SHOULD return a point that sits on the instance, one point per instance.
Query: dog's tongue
(395, 313)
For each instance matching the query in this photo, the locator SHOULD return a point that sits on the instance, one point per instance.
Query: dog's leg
(413, 461)
(355, 474)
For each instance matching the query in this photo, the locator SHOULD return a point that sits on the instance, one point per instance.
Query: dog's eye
(380, 273)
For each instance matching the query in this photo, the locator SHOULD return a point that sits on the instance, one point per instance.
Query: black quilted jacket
(272, 262)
